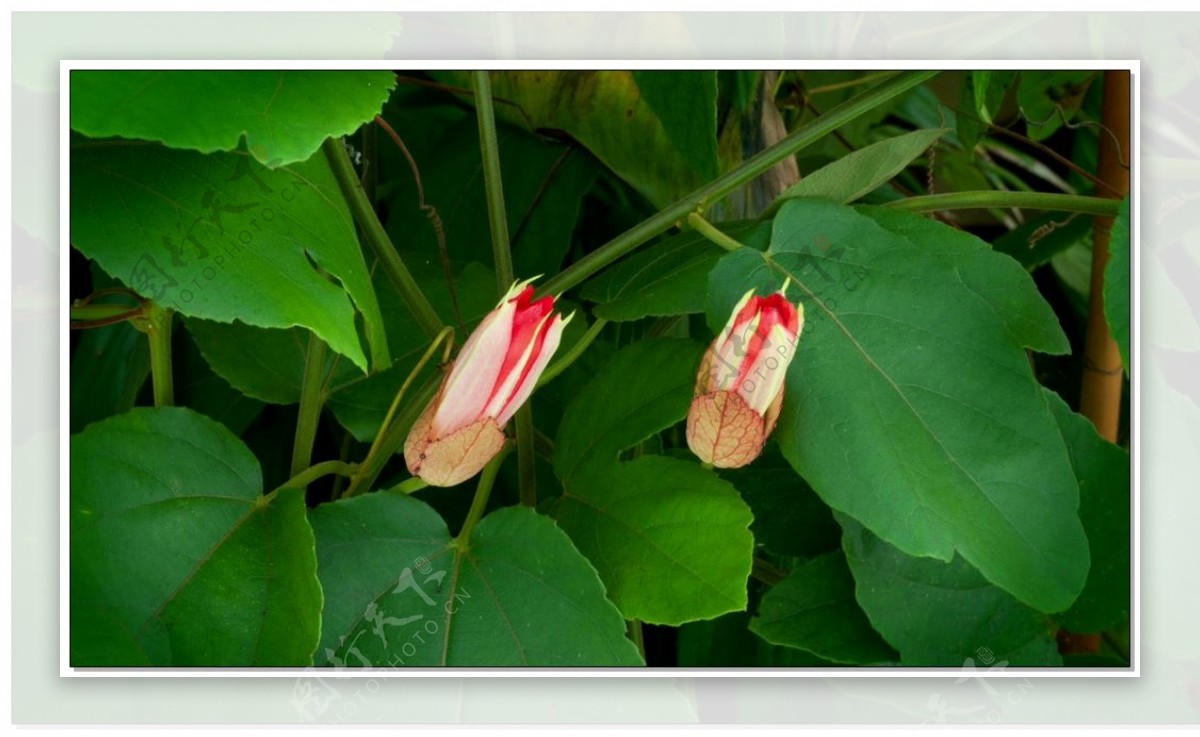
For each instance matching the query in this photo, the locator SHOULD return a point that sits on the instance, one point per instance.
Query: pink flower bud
(739, 387)
(462, 427)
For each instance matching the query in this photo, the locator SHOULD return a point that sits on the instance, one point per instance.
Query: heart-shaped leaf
(911, 405)
(177, 558)
(400, 591)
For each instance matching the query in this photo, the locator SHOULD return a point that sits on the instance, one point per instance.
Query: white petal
(765, 379)
(724, 336)
(549, 346)
(475, 372)
(730, 355)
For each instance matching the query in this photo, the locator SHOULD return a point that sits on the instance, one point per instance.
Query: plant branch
(750, 169)
(312, 400)
(994, 199)
(492, 183)
(479, 503)
(372, 461)
(712, 233)
(1103, 380)
(377, 238)
(155, 322)
(307, 476)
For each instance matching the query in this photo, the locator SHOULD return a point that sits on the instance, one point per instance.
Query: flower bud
(462, 428)
(739, 388)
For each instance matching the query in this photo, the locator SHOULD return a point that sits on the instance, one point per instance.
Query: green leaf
(1104, 488)
(398, 591)
(176, 556)
(939, 614)
(108, 367)
(813, 609)
(727, 642)
(284, 116)
(1046, 98)
(667, 278)
(911, 381)
(198, 387)
(1040, 239)
(669, 538)
(989, 87)
(1116, 283)
(222, 238)
(266, 364)
(656, 130)
(983, 92)
(861, 172)
(644, 388)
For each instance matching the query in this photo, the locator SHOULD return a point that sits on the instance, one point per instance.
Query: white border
(65, 670)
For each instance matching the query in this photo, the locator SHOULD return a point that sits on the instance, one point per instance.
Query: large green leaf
(1116, 282)
(939, 613)
(1104, 490)
(911, 405)
(861, 172)
(813, 609)
(656, 129)
(667, 278)
(669, 538)
(223, 238)
(399, 591)
(177, 558)
(284, 115)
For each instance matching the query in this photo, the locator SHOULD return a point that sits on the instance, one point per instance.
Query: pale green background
(1168, 691)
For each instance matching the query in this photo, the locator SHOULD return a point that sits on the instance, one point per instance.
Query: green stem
(312, 399)
(377, 238)
(493, 187)
(157, 326)
(312, 473)
(526, 456)
(103, 312)
(633, 628)
(376, 456)
(492, 183)
(1025, 200)
(752, 168)
(410, 485)
(553, 370)
(479, 503)
(710, 231)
